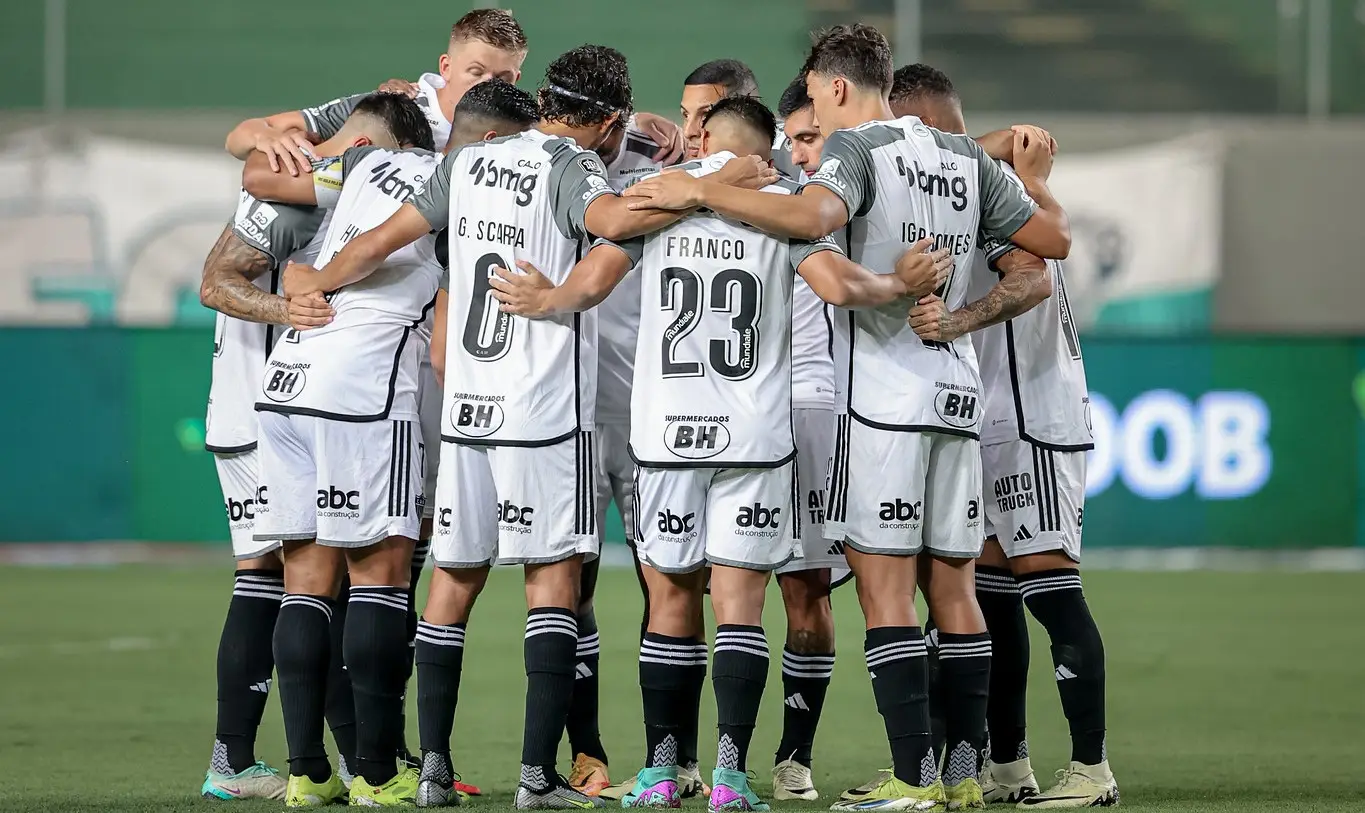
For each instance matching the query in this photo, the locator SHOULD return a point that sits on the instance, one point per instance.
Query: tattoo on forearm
(1011, 296)
(227, 285)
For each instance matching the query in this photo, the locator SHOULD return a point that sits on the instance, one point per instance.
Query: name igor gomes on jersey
(902, 182)
(511, 380)
(713, 370)
(362, 366)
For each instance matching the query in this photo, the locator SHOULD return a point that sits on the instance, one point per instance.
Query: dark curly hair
(747, 109)
(859, 53)
(794, 97)
(914, 81)
(401, 116)
(585, 86)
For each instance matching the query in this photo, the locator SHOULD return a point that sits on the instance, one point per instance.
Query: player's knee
(992, 555)
(452, 594)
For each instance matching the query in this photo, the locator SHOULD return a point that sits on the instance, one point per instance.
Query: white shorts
(688, 518)
(347, 485)
(615, 475)
(429, 396)
(899, 493)
(515, 505)
(814, 432)
(242, 496)
(1034, 498)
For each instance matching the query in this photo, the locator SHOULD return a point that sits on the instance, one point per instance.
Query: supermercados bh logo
(696, 437)
(476, 416)
(958, 405)
(284, 381)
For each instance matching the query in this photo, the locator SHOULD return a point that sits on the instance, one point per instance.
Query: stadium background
(1211, 163)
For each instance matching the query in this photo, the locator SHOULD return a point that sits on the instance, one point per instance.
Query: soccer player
(339, 456)
(703, 87)
(241, 281)
(717, 486)
(907, 472)
(1035, 435)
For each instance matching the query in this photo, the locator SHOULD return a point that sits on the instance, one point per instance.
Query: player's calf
(964, 667)
(807, 666)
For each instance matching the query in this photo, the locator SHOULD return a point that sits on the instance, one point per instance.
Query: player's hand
(665, 133)
(300, 280)
(671, 191)
(309, 311)
(522, 294)
(403, 86)
(1034, 148)
(289, 150)
(932, 321)
(748, 172)
(998, 144)
(922, 270)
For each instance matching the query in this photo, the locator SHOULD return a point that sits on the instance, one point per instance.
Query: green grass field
(1227, 691)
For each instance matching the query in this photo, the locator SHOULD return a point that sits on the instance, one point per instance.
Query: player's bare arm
(438, 336)
(810, 215)
(282, 138)
(623, 220)
(665, 133)
(360, 258)
(532, 295)
(841, 282)
(1024, 282)
(1048, 233)
(227, 286)
(263, 182)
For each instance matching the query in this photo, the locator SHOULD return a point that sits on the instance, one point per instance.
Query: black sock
(584, 735)
(740, 671)
(964, 664)
(1055, 598)
(689, 725)
(805, 680)
(302, 645)
(376, 658)
(340, 701)
(1006, 712)
(245, 667)
(896, 660)
(440, 659)
(551, 638)
(666, 666)
(938, 698)
(419, 562)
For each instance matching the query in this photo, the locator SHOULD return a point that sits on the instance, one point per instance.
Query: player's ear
(443, 66)
(838, 88)
(490, 135)
(362, 141)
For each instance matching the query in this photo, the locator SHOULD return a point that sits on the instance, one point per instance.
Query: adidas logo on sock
(1064, 674)
(262, 687)
(796, 701)
(582, 671)
(1022, 534)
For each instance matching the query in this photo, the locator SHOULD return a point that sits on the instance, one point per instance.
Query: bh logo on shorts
(476, 419)
(515, 518)
(1014, 491)
(697, 438)
(900, 514)
(758, 520)
(677, 528)
(336, 502)
(245, 510)
(959, 407)
(284, 382)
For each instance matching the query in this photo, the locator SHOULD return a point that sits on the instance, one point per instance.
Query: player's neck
(863, 108)
(582, 136)
(445, 97)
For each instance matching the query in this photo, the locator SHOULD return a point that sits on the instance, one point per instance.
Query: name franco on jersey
(340, 448)
(518, 408)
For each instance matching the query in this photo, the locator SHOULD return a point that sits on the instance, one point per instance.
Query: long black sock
(440, 660)
(551, 638)
(419, 562)
(245, 666)
(340, 706)
(376, 657)
(1055, 598)
(666, 664)
(896, 661)
(584, 735)
(805, 680)
(964, 664)
(302, 645)
(740, 671)
(1006, 712)
(938, 697)
(690, 723)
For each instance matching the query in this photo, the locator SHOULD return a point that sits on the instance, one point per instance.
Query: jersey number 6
(487, 330)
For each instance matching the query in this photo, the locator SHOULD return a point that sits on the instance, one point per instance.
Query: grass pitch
(1227, 691)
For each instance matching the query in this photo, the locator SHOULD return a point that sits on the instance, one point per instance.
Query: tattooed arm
(1024, 282)
(227, 284)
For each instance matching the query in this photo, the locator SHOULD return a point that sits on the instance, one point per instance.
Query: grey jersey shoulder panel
(576, 179)
(277, 229)
(433, 200)
(353, 156)
(846, 167)
(801, 250)
(326, 119)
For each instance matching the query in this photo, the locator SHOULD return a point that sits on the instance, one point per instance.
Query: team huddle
(457, 321)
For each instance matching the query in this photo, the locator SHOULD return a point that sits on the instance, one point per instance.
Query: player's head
(587, 90)
(489, 110)
(486, 43)
(927, 92)
(705, 86)
(798, 122)
(848, 66)
(742, 125)
(386, 120)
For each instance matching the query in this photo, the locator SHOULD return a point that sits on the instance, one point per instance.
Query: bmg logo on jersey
(677, 528)
(959, 407)
(393, 184)
(1014, 491)
(900, 514)
(476, 419)
(486, 172)
(338, 502)
(697, 438)
(515, 518)
(284, 382)
(758, 520)
(931, 183)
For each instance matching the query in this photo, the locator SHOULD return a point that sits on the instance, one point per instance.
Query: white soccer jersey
(713, 362)
(509, 380)
(363, 365)
(326, 119)
(902, 182)
(618, 317)
(1031, 368)
(282, 233)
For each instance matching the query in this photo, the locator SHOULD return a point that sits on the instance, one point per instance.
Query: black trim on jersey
(722, 464)
(523, 444)
(639, 146)
(247, 447)
(1019, 401)
(829, 330)
(270, 328)
(333, 416)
